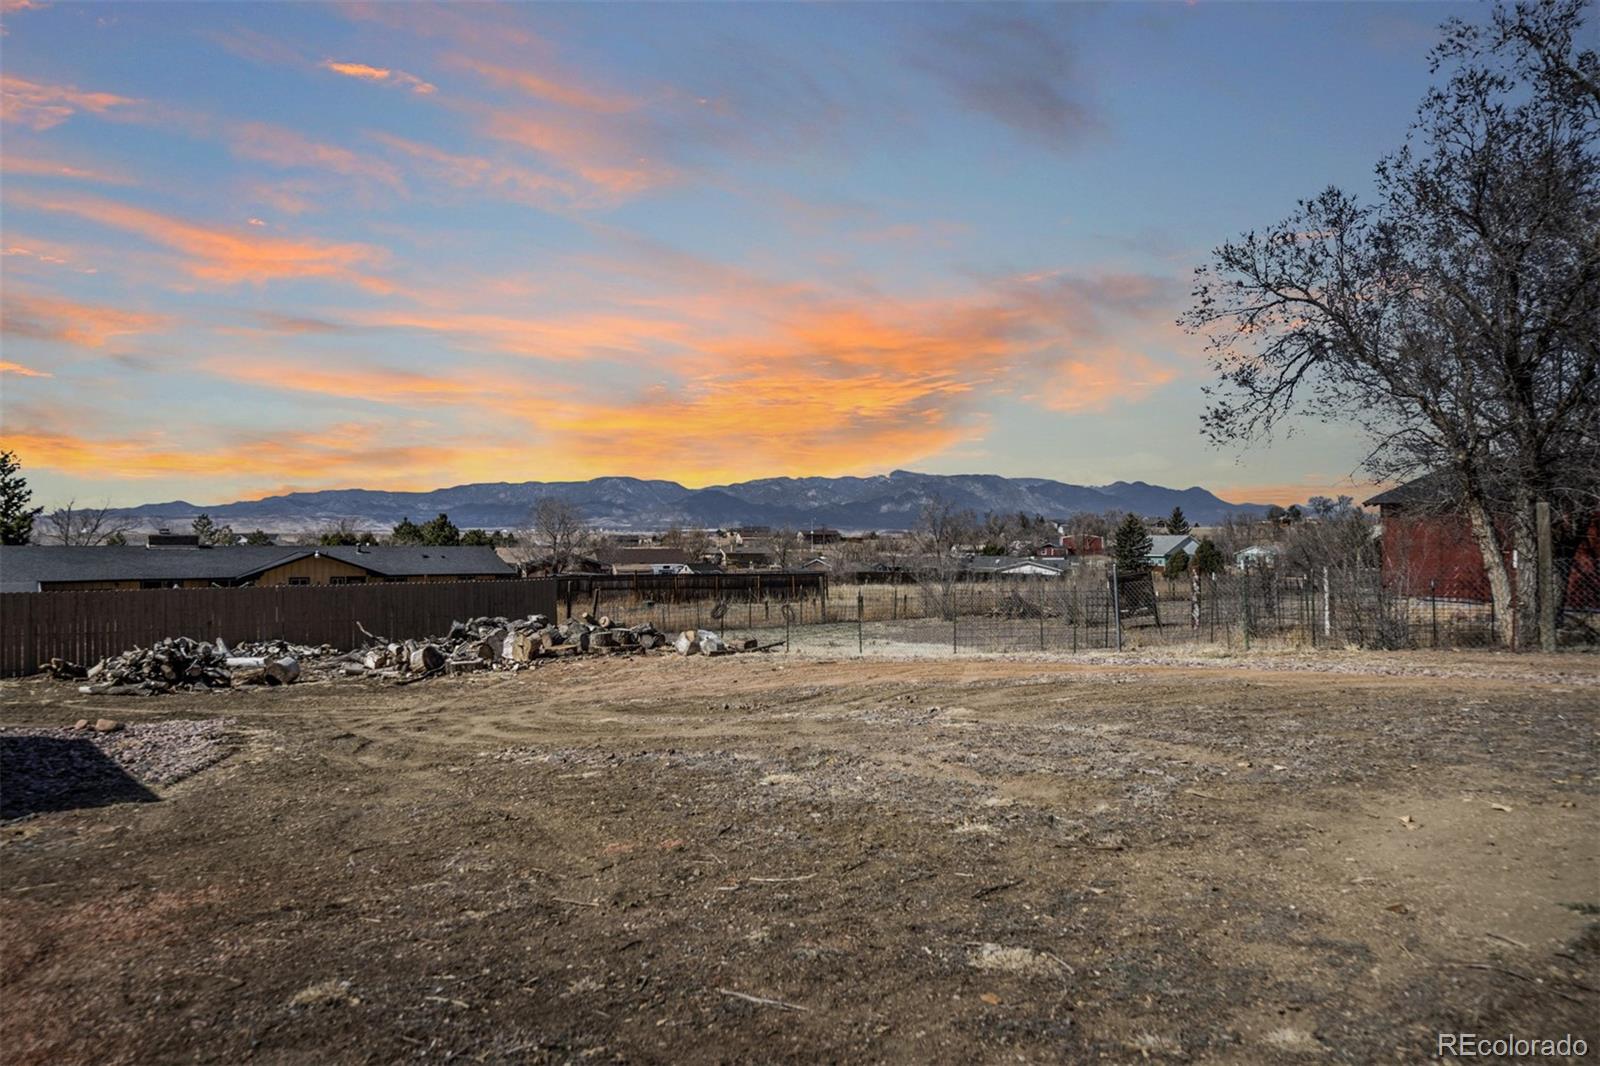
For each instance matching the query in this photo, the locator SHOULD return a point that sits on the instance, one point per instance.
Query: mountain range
(884, 502)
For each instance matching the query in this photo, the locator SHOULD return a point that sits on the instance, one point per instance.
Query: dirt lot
(778, 859)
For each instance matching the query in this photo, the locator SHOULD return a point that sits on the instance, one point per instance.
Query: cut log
(284, 671)
(426, 659)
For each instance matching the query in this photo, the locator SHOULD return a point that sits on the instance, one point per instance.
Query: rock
(107, 725)
(81, 724)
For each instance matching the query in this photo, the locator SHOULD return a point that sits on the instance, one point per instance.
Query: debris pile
(476, 644)
(185, 663)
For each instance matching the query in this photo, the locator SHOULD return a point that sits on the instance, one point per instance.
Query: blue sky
(249, 248)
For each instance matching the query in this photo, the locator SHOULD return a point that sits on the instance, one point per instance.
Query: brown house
(37, 568)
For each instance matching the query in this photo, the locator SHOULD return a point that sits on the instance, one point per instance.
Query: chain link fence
(1085, 610)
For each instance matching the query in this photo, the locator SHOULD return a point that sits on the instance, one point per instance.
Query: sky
(255, 248)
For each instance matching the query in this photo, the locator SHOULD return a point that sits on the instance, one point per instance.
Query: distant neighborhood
(1408, 535)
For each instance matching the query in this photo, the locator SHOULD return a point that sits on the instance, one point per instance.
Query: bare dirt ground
(772, 858)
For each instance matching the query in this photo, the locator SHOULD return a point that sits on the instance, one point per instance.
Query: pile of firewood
(473, 645)
(499, 644)
(184, 663)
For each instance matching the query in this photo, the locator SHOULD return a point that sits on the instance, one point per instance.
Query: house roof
(626, 556)
(394, 560)
(999, 563)
(1434, 488)
(33, 564)
(1164, 544)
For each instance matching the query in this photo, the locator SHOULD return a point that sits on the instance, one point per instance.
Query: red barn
(1088, 544)
(1429, 549)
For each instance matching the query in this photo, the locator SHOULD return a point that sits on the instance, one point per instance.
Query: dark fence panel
(580, 592)
(87, 626)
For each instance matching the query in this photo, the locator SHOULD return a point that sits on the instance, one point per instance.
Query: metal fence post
(1116, 607)
(1433, 608)
(861, 639)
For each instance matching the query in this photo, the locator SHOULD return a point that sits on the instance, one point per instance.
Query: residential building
(1163, 546)
(1429, 548)
(52, 569)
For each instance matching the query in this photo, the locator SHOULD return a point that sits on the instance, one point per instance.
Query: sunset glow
(404, 246)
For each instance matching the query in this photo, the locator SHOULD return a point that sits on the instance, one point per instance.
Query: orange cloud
(380, 74)
(1284, 494)
(40, 106)
(1092, 381)
(69, 322)
(286, 148)
(225, 256)
(565, 92)
(475, 172)
(22, 371)
(386, 385)
(346, 451)
(607, 159)
(26, 166)
(566, 338)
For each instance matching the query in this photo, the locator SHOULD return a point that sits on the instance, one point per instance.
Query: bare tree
(1457, 318)
(785, 546)
(85, 527)
(943, 529)
(558, 532)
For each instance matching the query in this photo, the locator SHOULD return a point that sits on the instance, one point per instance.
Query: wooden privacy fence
(577, 590)
(85, 627)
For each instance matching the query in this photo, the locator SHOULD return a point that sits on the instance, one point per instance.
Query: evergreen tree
(440, 532)
(1177, 523)
(210, 533)
(1178, 565)
(1208, 558)
(117, 539)
(476, 538)
(16, 517)
(1132, 544)
(406, 532)
(258, 536)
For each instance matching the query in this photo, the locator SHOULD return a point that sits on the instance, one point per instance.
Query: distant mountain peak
(877, 502)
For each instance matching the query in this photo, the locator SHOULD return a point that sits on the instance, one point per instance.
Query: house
(820, 535)
(1163, 546)
(991, 566)
(1257, 555)
(650, 561)
(54, 569)
(746, 558)
(1087, 544)
(1429, 548)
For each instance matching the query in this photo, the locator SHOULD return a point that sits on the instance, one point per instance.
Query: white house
(1163, 546)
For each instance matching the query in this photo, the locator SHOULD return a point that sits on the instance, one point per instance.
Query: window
(299, 581)
(347, 581)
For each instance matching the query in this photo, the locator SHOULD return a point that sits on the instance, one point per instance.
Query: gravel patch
(59, 769)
